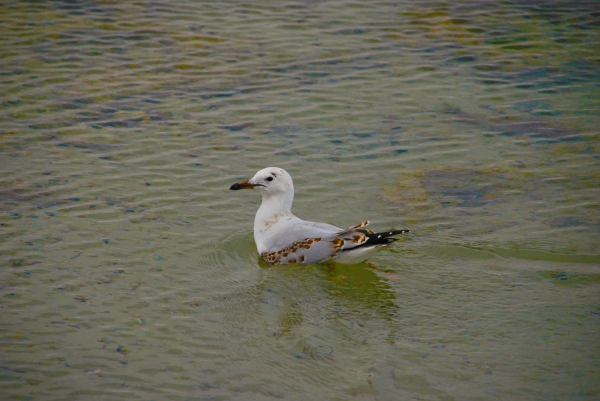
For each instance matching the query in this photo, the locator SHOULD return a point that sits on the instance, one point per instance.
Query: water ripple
(129, 268)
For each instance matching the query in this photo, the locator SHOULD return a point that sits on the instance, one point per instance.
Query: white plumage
(282, 237)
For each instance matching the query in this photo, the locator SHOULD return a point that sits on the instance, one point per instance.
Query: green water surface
(128, 270)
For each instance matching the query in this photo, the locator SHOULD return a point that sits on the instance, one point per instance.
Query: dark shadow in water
(356, 290)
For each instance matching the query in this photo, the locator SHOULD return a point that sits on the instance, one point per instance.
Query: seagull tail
(381, 238)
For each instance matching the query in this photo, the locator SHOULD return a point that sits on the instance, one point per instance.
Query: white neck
(272, 209)
(276, 204)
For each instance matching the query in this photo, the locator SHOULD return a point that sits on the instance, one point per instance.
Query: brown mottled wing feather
(309, 250)
(319, 249)
(352, 228)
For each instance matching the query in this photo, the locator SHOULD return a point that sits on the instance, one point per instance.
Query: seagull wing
(309, 242)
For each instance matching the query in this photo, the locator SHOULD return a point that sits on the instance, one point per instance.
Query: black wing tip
(398, 232)
(383, 234)
(379, 239)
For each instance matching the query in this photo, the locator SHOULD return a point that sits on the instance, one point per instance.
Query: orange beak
(244, 185)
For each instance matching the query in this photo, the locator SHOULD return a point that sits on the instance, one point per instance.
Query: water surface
(129, 271)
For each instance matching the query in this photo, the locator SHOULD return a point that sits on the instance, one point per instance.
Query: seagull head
(270, 181)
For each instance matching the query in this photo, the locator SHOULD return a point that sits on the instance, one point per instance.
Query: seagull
(282, 237)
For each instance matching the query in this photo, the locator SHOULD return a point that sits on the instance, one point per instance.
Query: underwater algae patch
(510, 210)
(480, 185)
(447, 186)
(406, 190)
(569, 279)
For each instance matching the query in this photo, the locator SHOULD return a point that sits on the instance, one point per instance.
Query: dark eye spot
(269, 178)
